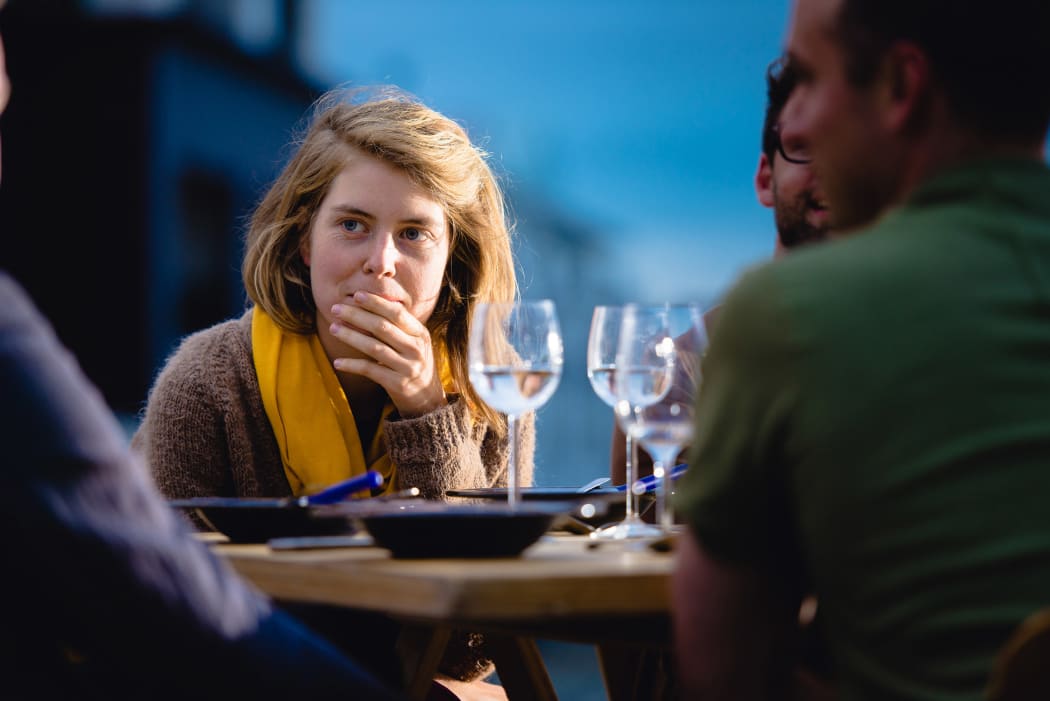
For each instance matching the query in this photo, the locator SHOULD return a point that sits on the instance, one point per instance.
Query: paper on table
(360, 540)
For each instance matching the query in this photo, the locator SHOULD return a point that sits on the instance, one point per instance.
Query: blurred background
(141, 133)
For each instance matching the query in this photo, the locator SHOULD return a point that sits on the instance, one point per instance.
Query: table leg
(520, 667)
(635, 672)
(421, 648)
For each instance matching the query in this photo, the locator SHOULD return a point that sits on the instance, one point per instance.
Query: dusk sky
(641, 120)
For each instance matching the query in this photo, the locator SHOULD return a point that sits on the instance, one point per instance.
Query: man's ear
(764, 181)
(904, 86)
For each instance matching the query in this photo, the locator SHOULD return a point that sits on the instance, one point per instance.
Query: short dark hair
(780, 81)
(991, 59)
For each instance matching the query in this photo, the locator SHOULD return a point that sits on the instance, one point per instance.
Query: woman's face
(377, 231)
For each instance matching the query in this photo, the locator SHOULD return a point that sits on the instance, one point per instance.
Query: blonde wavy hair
(437, 154)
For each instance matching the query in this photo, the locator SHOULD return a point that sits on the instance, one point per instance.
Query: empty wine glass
(515, 358)
(658, 372)
(602, 343)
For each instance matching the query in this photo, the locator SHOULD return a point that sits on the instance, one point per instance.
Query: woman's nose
(382, 255)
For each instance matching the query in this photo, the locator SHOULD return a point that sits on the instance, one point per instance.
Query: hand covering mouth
(387, 297)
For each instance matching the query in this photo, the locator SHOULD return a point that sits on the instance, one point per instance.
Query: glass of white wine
(657, 376)
(515, 358)
(602, 343)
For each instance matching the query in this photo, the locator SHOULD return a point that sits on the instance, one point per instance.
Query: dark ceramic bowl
(432, 529)
(244, 520)
(595, 508)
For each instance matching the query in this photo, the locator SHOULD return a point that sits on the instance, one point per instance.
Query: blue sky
(639, 119)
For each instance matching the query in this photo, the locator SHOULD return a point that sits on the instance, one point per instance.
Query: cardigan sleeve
(205, 431)
(182, 431)
(446, 449)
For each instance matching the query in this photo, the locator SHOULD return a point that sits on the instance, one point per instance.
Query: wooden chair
(1021, 671)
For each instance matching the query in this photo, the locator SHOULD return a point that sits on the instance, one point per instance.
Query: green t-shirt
(874, 425)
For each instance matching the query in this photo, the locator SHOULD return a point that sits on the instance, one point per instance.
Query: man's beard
(793, 226)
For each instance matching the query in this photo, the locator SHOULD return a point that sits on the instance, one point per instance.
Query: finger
(380, 374)
(413, 346)
(378, 326)
(411, 397)
(394, 311)
(376, 348)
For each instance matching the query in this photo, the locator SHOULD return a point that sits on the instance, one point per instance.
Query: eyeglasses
(796, 153)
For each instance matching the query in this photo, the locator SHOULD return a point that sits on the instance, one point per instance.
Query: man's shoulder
(787, 301)
(816, 266)
(1023, 180)
(8, 286)
(15, 302)
(12, 296)
(22, 325)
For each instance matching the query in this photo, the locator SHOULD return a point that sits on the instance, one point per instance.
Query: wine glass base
(627, 530)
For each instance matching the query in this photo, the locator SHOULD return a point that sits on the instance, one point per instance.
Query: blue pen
(649, 482)
(341, 490)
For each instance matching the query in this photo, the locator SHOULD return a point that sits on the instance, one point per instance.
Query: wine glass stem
(664, 517)
(513, 488)
(630, 461)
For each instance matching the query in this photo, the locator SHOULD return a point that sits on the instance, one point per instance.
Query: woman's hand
(396, 349)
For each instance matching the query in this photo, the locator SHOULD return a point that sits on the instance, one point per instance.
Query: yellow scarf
(309, 412)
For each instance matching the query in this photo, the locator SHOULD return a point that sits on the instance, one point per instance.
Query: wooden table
(615, 596)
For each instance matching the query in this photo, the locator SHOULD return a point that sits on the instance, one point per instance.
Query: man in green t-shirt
(874, 424)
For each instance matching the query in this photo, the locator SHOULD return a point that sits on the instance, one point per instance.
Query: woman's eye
(351, 225)
(414, 234)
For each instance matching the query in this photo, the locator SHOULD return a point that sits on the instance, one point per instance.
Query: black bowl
(245, 520)
(431, 529)
(595, 508)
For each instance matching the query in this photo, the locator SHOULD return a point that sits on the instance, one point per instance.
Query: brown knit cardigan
(205, 433)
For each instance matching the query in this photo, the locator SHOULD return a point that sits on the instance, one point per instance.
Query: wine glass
(515, 358)
(658, 372)
(602, 343)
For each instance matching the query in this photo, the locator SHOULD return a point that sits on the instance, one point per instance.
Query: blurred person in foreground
(108, 593)
(363, 264)
(785, 183)
(874, 419)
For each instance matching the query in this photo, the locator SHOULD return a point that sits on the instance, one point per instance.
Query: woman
(363, 262)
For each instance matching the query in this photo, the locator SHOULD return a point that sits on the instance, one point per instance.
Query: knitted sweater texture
(205, 431)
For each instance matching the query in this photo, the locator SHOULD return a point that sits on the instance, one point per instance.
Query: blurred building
(562, 259)
(138, 139)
